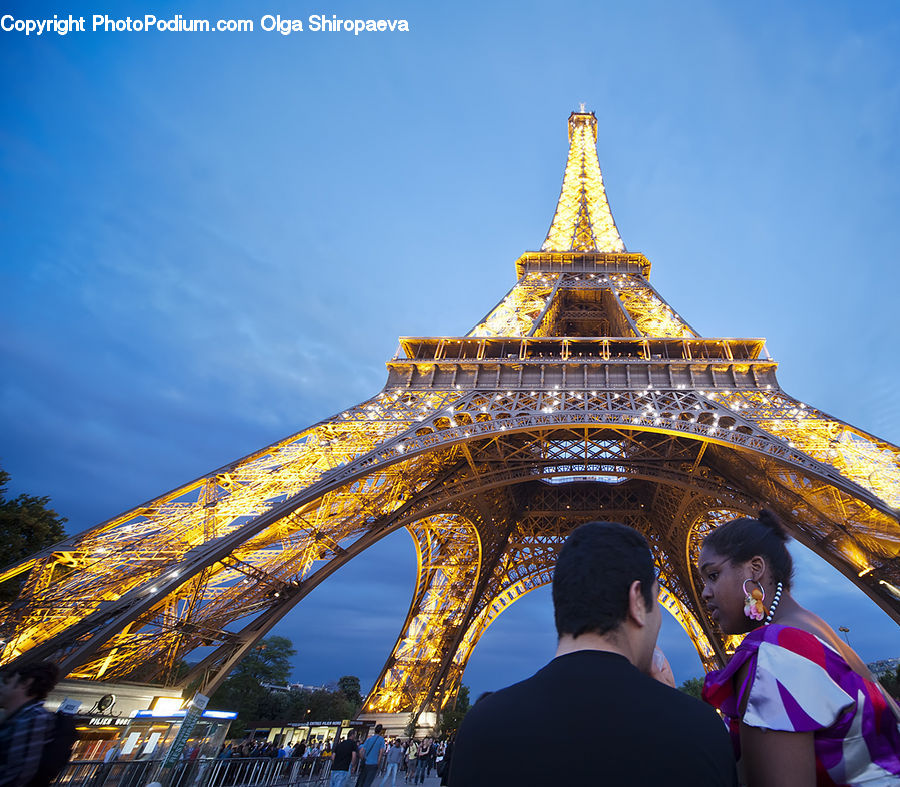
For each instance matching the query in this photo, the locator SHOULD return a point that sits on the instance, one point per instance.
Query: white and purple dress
(798, 683)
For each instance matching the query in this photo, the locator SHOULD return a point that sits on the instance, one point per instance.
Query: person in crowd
(426, 755)
(372, 753)
(393, 758)
(345, 760)
(404, 762)
(801, 706)
(412, 761)
(26, 727)
(642, 732)
(444, 766)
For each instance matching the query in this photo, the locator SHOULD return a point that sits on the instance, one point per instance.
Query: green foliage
(452, 717)
(890, 680)
(322, 706)
(243, 691)
(410, 729)
(462, 699)
(26, 526)
(257, 704)
(692, 686)
(268, 662)
(348, 685)
(450, 721)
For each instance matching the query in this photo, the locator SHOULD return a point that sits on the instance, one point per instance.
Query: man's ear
(637, 607)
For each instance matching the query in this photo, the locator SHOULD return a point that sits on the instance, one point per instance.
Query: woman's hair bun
(771, 521)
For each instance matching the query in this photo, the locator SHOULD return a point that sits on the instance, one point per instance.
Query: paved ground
(430, 781)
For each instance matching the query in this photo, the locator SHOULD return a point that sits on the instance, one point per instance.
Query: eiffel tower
(581, 395)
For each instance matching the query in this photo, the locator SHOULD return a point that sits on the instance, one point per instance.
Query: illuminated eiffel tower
(581, 395)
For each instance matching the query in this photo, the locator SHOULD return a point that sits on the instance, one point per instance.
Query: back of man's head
(595, 569)
(40, 678)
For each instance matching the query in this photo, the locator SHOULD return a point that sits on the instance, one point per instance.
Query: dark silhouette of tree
(452, 717)
(257, 690)
(247, 689)
(348, 685)
(27, 525)
(890, 680)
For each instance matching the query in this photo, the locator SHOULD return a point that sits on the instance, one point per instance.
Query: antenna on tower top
(582, 107)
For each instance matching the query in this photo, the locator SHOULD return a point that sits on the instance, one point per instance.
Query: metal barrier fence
(234, 772)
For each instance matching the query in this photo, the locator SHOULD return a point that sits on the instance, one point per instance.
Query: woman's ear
(757, 567)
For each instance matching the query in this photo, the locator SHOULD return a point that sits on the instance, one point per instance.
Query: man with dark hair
(598, 688)
(344, 762)
(26, 727)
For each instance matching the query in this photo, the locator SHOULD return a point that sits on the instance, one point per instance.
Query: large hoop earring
(753, 601)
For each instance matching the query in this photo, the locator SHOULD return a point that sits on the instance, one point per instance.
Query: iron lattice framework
(581, 395)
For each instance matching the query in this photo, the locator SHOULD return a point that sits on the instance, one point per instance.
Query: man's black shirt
(343, 755)
(591, 715)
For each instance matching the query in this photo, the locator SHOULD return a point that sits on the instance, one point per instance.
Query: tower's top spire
(583, 221)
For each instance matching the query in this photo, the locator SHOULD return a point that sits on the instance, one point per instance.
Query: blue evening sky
(210, 241)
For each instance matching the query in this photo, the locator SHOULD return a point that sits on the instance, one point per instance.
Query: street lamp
(845, 631)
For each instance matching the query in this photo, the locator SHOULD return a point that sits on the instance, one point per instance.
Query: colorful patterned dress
(797, 683)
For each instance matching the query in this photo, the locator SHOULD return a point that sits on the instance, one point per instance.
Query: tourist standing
(393, 757)
(344, 762)
(412, 761)
(372, 753)
(425, 755)
(802, 707)
(444, 770)
(642, 733)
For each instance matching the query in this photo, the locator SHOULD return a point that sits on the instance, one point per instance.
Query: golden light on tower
(583, 220)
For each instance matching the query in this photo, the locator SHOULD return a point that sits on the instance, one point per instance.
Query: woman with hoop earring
(801, 706)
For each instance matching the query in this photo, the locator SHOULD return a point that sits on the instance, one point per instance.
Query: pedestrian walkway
(430, 781)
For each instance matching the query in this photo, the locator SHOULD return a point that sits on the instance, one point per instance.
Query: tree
(26, 526)
(348, 685)
(452, 717)
(890, 680)
(692, 686)
(257, 690)
(246, 690)
(268, 662)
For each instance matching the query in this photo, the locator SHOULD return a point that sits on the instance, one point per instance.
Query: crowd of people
(409, 759)
(251, 748)
(799, 707)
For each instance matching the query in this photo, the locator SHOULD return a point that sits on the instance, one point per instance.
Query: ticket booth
(150, 734)
(308, 731)
(96, 735)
